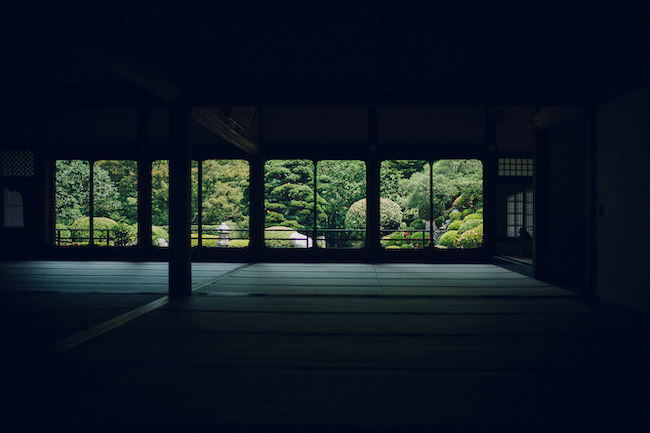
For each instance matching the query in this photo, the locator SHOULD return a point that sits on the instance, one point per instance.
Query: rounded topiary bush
(80, 229)
(469, 224)
(278, 237)
(418, 224)
(472, 238)
(456, 216)
(467, 212)
(448, 240)
(455, 225)
(439, 221)
(394, 239)
(123, 234)
(473, 216)
(480, 211)
(390, 215)
(418, 239)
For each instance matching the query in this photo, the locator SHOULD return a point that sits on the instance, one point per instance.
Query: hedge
(455, 225)
(472, 238)
(448, 240)
(393, 239)
(390, 215)
(469, 224)
(474, 216)
(278, 237)
(455, 216)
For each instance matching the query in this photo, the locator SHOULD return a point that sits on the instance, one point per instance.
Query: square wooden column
(180, 263)
(372, 188)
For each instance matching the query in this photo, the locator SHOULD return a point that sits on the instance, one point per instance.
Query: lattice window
(515, 166)
(13, 209)
(519, 213)
(16, 163)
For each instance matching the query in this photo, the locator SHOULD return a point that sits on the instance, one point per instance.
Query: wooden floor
(315, 347)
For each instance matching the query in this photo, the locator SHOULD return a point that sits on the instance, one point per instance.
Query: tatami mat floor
(321, 347)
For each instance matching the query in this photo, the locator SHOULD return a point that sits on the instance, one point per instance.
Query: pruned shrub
(473, 216)
(393, 239)
(418, 224)
(390, 216)
(124, 234)
(439, 221)
(456, 216)
(278, 237)
(239, 243)
(469, 224)
(79, 230)
(448, 240)
(472, 238)
(418, 239)
(455, 225)
(467, 212)
(480, 211)
(207, 240)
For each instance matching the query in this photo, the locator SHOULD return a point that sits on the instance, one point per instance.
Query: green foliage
(278, 237)
(390, 215)
(393, 239)
(439, 221)
(472, 238)
(455, 225)
(469, 224)
(160, 193)
(207, 240)
(340, 183)
(158, 232)
(289, 194)
(456, 216)
(448, 240)
(473, 216)
(224, 199)
(480, 211)
(121, 177)
(99, 223)
(418, 224)
(238, 243)
(394, 172)
(467, 212)
(72, 191)
(124, 234)
(419, 239)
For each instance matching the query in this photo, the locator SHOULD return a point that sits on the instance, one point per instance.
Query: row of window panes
(291, 219)
(515, 167)
(515, 216)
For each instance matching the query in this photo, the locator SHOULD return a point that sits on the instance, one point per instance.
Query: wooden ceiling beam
(216, 121)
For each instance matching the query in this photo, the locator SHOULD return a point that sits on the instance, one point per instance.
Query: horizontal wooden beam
(215, 120)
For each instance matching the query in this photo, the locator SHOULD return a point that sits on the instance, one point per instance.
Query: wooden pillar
(144, 185)
(372, 188)
(256, 212)
(591, 211)
(541, 199)
(180, 263)
(490, 181)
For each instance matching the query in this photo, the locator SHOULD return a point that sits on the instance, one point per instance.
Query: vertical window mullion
(91, 205)
(199, 207)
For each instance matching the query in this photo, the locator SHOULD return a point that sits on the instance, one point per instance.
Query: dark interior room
(324, 216)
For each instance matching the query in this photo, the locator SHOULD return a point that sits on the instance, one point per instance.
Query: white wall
(623, 168)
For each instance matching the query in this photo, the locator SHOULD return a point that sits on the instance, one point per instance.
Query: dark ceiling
(107, 52)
